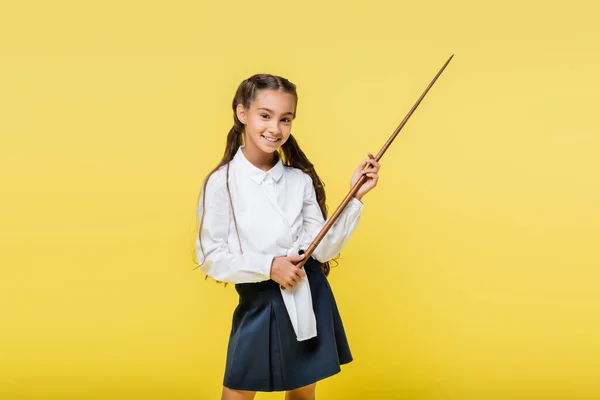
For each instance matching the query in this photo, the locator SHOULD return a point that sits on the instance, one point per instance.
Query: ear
(240, 112)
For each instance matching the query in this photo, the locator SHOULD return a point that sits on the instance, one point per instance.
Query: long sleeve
(218, 262)
(339, 234)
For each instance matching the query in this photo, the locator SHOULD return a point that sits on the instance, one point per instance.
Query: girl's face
(268, 120)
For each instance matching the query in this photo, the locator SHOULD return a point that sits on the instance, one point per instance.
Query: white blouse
(277, 214)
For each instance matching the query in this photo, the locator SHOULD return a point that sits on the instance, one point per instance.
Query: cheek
(286, 136)
(252, 127)
(258, 126)
(286, 129)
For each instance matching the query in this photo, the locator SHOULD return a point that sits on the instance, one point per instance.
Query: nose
(274, 128)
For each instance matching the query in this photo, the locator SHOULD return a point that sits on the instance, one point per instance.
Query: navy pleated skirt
(263, 354)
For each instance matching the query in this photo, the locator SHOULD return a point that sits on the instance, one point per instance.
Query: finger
(372, 161)
(363, 165)
(373, 169)
(373, 176)
(289, 282)
(375, 163)
(289, 279)
(301, 273)
(296, 278)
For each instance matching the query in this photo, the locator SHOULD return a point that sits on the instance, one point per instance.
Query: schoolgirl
(258, 209)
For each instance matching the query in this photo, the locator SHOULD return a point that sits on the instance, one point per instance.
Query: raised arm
(339, 234)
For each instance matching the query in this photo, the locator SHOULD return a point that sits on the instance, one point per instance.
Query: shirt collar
(255, 173)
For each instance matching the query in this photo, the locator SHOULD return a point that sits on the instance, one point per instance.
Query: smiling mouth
(271, 140)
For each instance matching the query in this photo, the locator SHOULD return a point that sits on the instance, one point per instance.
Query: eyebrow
(271, 111)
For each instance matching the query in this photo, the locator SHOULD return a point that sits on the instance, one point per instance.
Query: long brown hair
(290, 152)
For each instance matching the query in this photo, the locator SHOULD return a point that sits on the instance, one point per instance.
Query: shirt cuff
(355, 203)
(266, 261)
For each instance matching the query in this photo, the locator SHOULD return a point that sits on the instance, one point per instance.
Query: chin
(269, 149)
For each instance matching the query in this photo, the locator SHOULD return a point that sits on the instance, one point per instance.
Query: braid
(234, 141)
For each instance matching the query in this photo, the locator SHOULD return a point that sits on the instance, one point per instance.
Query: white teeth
(270, 140)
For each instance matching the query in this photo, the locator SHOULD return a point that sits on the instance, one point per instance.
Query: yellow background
(473, 273)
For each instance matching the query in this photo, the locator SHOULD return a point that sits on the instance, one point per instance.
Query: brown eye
(264, 115)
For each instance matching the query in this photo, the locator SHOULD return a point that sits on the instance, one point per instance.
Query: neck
(260, 159)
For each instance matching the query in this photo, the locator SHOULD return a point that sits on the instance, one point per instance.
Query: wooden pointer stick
(364, 178)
